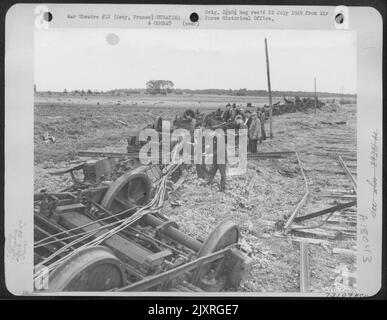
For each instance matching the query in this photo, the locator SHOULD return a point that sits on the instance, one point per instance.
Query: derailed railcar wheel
(225, 234)
(91, 269)
(131, 189)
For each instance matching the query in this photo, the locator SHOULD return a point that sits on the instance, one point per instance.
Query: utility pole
(342, 95)
(269, 88)
(315, 96)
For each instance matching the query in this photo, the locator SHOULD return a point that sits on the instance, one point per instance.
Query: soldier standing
(233, 112)
(255, 132)
(262, 118)
(227, 113)
(248, 121)
(217, 164)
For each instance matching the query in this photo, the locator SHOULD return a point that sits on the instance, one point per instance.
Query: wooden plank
(340, 221)
(303, 200)
(348, 234)
(340, 191)
(327, 171)
(339, 228)
(348, 197)
(325, 211)
(68, 170)
(304, 267)
(344, 251)
(309, 240)
(178, 183)
(320, 233)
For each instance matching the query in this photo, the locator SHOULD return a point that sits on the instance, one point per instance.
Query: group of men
(253, 121)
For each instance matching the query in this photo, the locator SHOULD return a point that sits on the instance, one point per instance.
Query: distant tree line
(260, 93)
(116, 92)
(164, 87)
(159, 87)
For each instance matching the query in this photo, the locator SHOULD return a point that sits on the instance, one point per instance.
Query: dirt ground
(267, 193)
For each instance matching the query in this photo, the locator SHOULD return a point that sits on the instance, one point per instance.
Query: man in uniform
(189, 116)
(262, 117)
(227, 113)
(255, 132)
(248, 121)
(218, 166)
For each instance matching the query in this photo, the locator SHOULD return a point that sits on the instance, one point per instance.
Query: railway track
(328, 215)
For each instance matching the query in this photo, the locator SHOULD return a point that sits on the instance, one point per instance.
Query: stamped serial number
(197, 310)
(213, 309)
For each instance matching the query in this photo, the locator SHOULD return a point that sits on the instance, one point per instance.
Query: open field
(142, 100)
(80, 122)
(90, 122)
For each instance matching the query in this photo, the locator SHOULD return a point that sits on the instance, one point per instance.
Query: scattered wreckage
(291, 105)
(105, 233)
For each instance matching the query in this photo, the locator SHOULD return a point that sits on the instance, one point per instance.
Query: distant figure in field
(248, 118)
(227, 113)
(262, 117)
(218, 166)
(233, 112)
(255, 132)
(190, 116)
(248, 121)
(218, 113)
(241, 112)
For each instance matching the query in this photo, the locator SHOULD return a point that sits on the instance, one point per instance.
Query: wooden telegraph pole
(342, 95)
(269, 88)
(315, 96)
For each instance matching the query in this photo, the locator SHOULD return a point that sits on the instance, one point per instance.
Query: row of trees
(152, 87)
(159, 86)
(163, 87)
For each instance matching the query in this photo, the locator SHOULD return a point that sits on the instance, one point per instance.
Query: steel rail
(348, 172)
(303, 200)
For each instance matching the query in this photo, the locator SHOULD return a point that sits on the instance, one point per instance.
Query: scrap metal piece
(68, 170)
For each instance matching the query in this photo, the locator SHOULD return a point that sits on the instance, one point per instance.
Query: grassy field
(90, 122)
(82, 122)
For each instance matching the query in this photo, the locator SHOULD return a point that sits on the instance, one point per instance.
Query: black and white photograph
(104, 220)
(198, 161)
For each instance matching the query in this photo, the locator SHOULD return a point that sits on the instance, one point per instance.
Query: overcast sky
(194, 59)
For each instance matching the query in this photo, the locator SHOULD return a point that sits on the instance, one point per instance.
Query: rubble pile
(291, 105)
